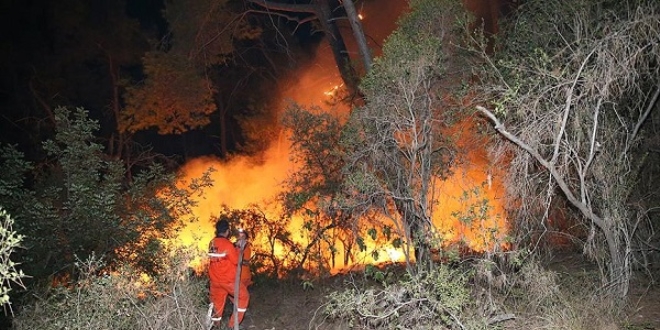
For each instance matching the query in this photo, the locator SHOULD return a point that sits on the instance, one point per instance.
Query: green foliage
(415, 45)
(80, 203)
(13, 193)
(122, 299)
(316, 150)
(476, 213)
(383, 275)
(314, 190)
(10, 240)
(394, 146)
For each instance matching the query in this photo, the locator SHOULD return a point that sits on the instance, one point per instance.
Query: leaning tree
(325, 15)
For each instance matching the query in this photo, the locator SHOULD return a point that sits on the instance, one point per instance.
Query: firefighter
(246, 275)
(223, 261)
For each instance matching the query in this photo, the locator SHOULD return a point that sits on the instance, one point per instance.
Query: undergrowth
(436, 299)
(469, 296)
(117, 300)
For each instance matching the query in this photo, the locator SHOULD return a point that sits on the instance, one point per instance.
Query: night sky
(51, 57)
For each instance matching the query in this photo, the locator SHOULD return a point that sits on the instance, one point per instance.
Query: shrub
(9, 241)
(78, 201)
(122, 299)
(546, 299)
(436, 299)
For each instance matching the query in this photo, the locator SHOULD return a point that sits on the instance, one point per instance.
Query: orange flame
(470, 201)
(467, 206)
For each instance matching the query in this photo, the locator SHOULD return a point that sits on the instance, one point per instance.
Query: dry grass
(118, 300)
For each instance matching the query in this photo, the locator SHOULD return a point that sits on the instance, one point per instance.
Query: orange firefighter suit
(223, 261)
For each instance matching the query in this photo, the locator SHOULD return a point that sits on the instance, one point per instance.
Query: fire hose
(237, 283)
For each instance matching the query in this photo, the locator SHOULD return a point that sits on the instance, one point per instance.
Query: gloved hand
(241, 243)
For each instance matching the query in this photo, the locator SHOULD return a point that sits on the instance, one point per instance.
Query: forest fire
(467, 209)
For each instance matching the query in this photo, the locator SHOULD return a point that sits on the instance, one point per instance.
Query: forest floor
(294, 306)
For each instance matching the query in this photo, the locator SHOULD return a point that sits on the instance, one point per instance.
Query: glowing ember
(332, 92)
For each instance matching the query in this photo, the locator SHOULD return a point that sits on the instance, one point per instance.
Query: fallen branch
(500, 318)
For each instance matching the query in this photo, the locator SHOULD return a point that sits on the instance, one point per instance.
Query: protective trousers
(218, 293)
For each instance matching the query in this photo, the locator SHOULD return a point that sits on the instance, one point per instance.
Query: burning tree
(395, 149)
(313, 191)
(574, 87)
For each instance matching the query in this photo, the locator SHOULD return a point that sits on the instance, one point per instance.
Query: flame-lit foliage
(177, 94)
(204, 32)
(287, 245)
(314, 193)
(316, 150)
(174, 98)
(79, 203)
(273, 250)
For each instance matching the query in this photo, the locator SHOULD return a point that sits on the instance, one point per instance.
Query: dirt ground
(290, 306)
(643, 309)
(644, 301)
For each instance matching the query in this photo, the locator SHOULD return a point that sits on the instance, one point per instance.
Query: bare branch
(567, 106)
(642, 119)
(586, 211)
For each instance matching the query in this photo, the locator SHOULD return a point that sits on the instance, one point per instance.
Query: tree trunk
(323, 13)
(115, 149)
(358, 33)
(336, 41)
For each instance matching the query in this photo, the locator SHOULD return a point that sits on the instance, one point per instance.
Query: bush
(546, 299)
(9, 241)
(123, 299)
(78, 201)
(437, 299)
